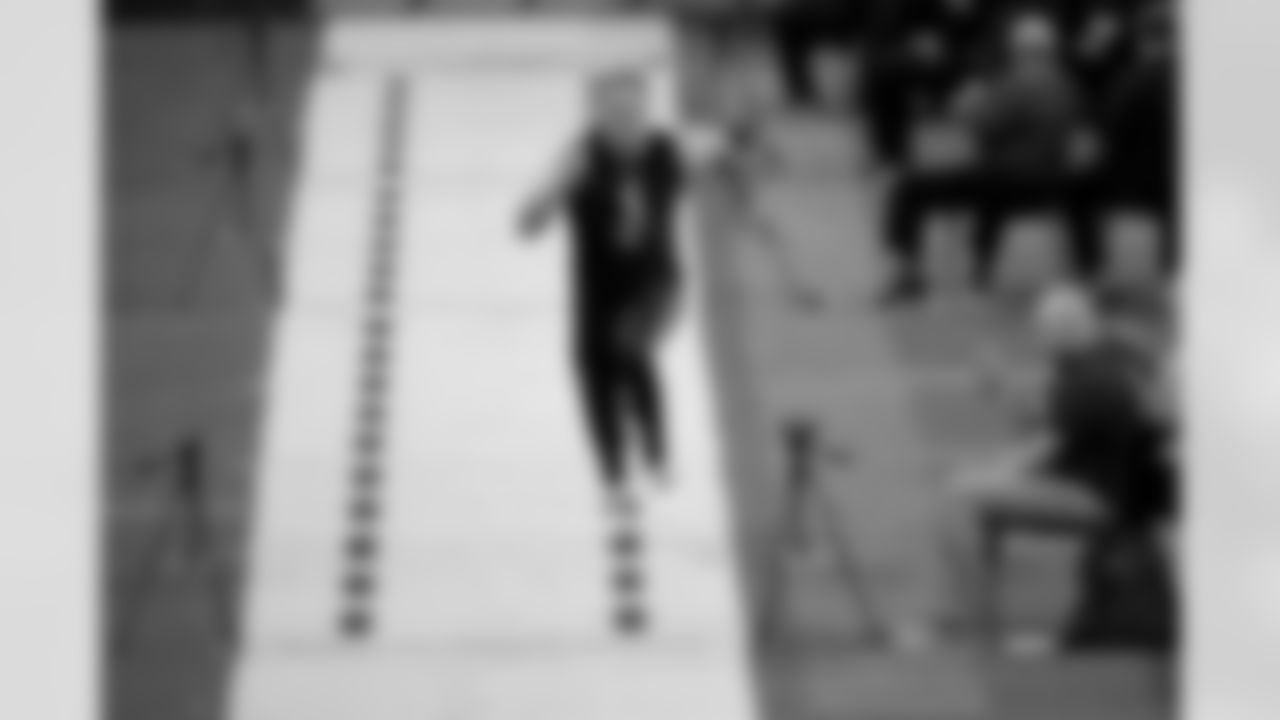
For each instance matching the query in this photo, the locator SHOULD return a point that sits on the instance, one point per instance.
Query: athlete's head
(620, 103)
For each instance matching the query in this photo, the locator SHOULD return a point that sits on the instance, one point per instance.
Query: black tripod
(808, 501)
(237, 160)
(187, 538)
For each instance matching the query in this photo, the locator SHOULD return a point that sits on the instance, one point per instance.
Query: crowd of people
(1063, 108)
(1064, 112)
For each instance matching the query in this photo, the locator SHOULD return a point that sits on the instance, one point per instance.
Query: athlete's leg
(600, 390)
(646, 400)
(603, 387)
(651, 318)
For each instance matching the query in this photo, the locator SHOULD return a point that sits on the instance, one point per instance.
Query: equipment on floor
(810, 520)
(184, 543)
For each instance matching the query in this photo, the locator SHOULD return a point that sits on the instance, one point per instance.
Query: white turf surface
(493, 599)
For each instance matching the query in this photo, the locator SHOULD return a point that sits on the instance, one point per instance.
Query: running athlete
(619, 186)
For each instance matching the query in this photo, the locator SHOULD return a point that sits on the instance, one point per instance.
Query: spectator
(1099, 40)
(1140, 130)
(800, 29)
(1025, 126)
(1096, 447)
(916, 54)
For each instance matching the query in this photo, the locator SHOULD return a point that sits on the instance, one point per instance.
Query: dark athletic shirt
(612, 274)
(1105, 438)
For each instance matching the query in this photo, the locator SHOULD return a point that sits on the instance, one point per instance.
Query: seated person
(799, 30)
(1025, 125)
(1140, 134)
(1097, 452)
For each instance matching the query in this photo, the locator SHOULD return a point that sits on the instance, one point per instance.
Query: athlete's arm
(549, 199)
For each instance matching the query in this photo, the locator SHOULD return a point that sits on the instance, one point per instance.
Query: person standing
(1093, 447)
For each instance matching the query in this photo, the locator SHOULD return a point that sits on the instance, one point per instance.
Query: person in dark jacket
(1140, 169)
(800, 29)
(916, 55)
(1025, 127)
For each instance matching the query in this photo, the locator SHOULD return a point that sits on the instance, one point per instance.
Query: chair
(1117, 555)
(997, 528)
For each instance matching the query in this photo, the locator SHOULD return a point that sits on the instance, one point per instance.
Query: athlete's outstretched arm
(549, 199)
